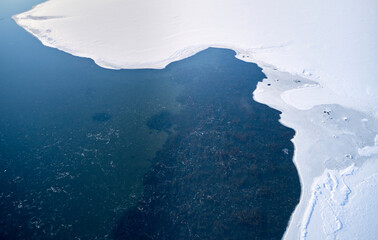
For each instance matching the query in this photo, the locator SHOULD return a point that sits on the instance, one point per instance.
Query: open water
(179, 153)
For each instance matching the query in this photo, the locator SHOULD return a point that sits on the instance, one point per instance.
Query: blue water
(179, 153)
(74, 143)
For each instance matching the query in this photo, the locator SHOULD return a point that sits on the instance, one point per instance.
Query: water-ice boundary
(315, 150)
(330, 144)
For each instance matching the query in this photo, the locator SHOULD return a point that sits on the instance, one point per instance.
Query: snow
(310, 95)
(320, 61)
(328, 141)
(339, 201)
(368, 151)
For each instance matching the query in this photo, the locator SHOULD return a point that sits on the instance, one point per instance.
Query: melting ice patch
(369, 151)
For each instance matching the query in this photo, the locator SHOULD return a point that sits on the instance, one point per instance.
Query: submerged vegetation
(226, 171)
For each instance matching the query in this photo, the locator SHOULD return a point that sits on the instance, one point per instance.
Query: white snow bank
(326, 86)
(333, 42)
(328, 138)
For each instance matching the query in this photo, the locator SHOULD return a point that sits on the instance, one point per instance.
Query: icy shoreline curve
(321, 75)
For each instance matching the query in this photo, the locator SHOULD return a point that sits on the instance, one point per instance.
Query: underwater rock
(101, 117)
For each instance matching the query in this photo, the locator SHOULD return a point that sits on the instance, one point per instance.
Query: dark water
(179, 153)
(74, 143)
(226, 171)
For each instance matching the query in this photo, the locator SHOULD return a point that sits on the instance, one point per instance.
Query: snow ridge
(330, 194)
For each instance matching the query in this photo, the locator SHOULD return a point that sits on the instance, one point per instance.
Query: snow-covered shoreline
(314, 51)
(328, 150)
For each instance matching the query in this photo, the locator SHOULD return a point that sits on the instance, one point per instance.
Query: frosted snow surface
(340, 202)
(320, 59)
